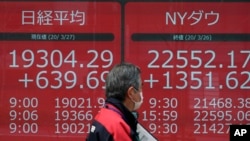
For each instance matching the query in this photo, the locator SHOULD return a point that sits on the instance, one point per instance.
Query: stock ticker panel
(55, 57)
(195, 66)
(54, 60)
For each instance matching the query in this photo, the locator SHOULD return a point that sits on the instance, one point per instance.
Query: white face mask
(138, 104)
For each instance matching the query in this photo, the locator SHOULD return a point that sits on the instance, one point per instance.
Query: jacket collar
(127, 116)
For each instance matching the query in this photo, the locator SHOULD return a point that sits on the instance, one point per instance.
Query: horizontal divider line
(189, 37)
(56, 36)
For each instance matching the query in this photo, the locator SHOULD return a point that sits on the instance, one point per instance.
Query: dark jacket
(114, 122)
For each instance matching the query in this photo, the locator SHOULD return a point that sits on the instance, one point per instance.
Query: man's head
(124, 83)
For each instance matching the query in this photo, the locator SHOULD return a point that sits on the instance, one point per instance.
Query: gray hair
(120, 78)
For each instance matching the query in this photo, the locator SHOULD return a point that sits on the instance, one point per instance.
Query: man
(115, 121)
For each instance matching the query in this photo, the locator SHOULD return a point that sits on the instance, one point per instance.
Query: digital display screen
(55, 55)
(195, 61)
(54, 60)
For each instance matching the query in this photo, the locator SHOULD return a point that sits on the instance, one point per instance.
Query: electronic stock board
(55, 55)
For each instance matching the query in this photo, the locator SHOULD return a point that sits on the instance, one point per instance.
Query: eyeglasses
(136, 89)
